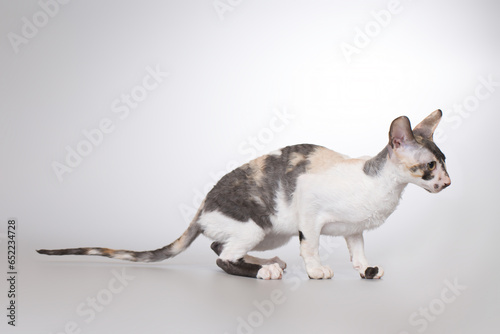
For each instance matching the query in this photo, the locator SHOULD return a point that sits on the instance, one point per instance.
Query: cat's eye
(431, 165)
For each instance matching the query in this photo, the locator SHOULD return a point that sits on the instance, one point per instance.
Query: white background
(229, 73)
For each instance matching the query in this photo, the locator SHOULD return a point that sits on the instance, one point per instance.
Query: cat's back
(291, 161)
(280, 168)
(252, 190)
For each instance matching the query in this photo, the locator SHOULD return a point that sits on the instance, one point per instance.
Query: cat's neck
(384, 166)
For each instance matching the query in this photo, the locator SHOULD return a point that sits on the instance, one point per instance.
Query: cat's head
(421, 161)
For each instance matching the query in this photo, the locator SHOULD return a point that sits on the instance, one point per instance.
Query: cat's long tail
(159, 254)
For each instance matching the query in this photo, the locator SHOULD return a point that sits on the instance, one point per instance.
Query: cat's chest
(362, 213)
(348, 196)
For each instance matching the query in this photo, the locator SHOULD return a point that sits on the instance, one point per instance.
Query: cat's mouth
(434, 189)
(437, 188)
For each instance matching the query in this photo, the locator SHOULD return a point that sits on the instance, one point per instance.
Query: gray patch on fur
(217, 247)
(373, 166)
(431, 146)
(281, 169)
(239, 268)
(234, 196)
(370, 272)
(239, 196)
(428, 175)
(68, 251)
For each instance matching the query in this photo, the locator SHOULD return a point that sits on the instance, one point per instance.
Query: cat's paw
(372, 272)
(279, 261)
(321, 272)
(270, 271)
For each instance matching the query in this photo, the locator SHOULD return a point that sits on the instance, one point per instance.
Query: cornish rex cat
(304, 191)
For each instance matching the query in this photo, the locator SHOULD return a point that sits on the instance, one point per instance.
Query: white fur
(275, 152)
(341, 201)
(344, 200)
(334, 197)
(320, 272)
(238, 237)
(270, 271)
(285, 225)
(285, 221)
(127, 257)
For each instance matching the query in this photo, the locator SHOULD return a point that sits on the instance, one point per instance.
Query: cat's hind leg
(258, 260)
(249, 266)
(233, 240)
(217, 248)
(243, 268)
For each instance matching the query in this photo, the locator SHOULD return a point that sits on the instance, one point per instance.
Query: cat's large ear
(426, 128)
(400, 133)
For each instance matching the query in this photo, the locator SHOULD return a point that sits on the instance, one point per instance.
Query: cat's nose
(447, 184)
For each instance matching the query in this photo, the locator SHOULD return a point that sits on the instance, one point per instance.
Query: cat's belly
(343, 228)
(272, 241)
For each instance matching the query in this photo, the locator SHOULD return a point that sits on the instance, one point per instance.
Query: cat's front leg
(355, 243)
(309, 250)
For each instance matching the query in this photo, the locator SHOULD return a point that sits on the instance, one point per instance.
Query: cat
(305, 191)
